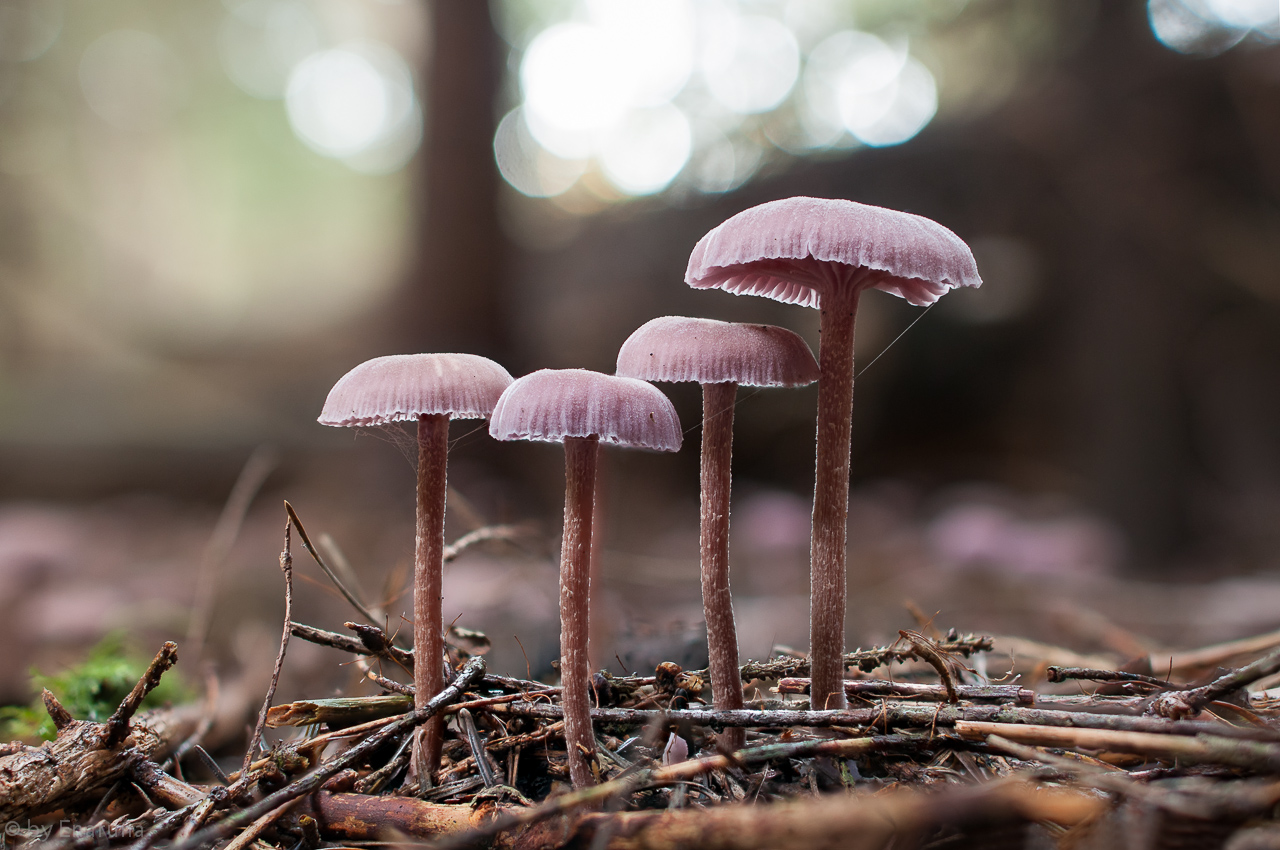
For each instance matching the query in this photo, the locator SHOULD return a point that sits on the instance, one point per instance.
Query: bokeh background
(210, 210)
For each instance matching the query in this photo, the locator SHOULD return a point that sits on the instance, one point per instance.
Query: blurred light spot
(131, 79)
(580, 79)
(569, 93)
(651, 45)
(28, 28)
(356, 103)
(910, 106)
(647, 150)
(1248, 14)
(1011, 281)
(260, 42)
(750, 62)
(848, 66)
(1188, 26)
(526, 165)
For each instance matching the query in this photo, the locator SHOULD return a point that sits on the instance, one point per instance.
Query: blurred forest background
(210, 210)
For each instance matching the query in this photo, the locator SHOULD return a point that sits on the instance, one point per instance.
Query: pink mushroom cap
(552, 404)
(680, 348)
(405, 386)
(783, 250)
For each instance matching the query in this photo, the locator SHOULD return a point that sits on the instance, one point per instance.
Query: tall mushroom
(582, 409)
(823, 253)
(428, 388)
(719, 356)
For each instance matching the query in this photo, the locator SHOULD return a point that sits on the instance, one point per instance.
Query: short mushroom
(428, 388)
(719, 356)
(822, 253)
(582, 409)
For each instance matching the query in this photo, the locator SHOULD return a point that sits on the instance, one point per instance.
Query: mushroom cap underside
(792, 250)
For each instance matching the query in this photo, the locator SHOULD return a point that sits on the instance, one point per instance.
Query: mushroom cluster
(814, 252)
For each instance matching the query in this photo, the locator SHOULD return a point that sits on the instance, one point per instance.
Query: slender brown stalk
(428, 576)
(831, 497)
(717, 602)
(580, 455)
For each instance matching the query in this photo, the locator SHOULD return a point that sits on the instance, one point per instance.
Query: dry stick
(484, 535)
(286, 567)
(117, 726)
(866, 659)
(925, 647)
(1063, 674)
(476, 744)
(874, 687)
(470, 674)
(260, 464)
(328, 570)
(1181, 703)
(900, 714)
(1202, 749)
(250, 835)
(684, 771)
(717, 602)
(356, 646)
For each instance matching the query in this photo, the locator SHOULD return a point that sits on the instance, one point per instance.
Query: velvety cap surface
(405, 386)
(678, 348)
(552, 404)
(793, 249)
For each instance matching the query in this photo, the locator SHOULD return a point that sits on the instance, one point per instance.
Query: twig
(899, 714)
(926, 650)
(1202, 749)
(470, 674)
(286, 567)
(483, 535)
(1062, 674)
(118, 724)
(686, 770)
(874, 687)
(866, 660)
(476, 744)
(328, 570)
(244, 839)
(1178, 704)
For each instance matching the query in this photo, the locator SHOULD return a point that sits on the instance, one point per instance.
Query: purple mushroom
(582, 409)
(823, 253)
(719, 356)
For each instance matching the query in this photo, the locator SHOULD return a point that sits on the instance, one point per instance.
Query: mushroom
(822, 253)
(582, 409)
(429, 388)
(719, 356)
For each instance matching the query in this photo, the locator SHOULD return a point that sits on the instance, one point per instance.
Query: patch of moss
(90, 690)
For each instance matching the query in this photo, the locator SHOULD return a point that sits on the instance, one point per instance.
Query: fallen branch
(470, 674)
(1202, 749)
(896, 714)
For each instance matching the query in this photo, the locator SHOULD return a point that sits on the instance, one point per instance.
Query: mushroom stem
(580, 454)
(428, 570)
(717, 602)
(831, 499)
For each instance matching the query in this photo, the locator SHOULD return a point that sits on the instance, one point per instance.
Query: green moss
(90, 690)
